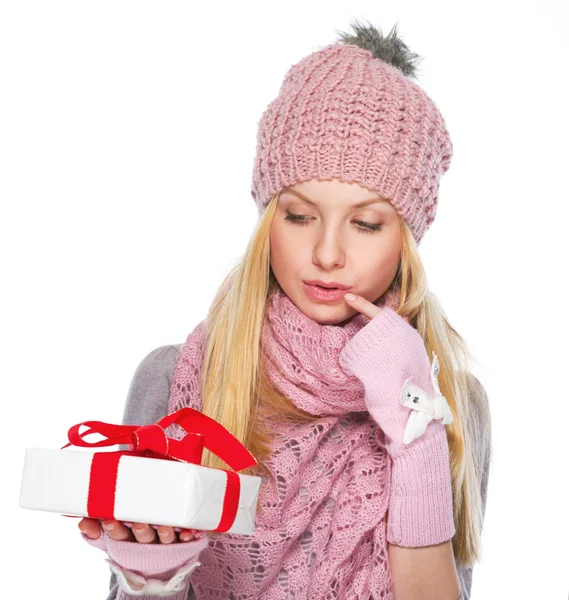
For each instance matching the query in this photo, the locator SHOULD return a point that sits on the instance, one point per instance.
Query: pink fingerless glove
(389, 357)
(149, 570)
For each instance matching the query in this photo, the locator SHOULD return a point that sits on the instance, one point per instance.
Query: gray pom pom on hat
(391, 48)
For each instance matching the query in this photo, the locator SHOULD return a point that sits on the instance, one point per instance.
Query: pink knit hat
(349, 111)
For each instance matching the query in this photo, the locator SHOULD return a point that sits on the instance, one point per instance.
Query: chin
(330, 314)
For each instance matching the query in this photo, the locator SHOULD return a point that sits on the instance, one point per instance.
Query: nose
(328, 250)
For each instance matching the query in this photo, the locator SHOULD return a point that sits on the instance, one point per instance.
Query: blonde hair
(236, 392)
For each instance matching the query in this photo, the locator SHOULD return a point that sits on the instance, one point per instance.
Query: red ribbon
(151, 441)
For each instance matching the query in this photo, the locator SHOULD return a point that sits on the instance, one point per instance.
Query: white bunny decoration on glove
(425, 409)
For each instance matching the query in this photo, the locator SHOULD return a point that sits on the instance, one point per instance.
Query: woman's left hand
(390, 358)
(386, 355)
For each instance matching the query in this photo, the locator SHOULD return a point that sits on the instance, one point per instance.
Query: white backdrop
(127, 137)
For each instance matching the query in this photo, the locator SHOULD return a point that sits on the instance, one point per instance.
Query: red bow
(151, 441)
(153, 438)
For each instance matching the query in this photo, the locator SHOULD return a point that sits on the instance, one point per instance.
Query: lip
(320, 294)
(328, 284)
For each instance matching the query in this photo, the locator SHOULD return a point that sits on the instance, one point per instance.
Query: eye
(363, 227)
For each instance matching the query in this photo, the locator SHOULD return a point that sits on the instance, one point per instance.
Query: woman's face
(335, 242)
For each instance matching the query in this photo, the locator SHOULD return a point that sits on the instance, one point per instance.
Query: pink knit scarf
(302, 356)
(323, 508)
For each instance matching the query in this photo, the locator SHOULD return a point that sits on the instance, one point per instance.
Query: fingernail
(139, 529)
(349, 296)
(109, 526)
(185, 537)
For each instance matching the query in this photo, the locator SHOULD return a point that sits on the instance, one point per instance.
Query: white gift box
(148, 490)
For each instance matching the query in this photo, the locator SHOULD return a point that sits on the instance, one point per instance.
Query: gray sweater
(147, 402)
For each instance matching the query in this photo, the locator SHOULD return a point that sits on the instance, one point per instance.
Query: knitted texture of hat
(349, 111)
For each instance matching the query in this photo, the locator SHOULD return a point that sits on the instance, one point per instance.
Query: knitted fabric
(322, 529)
(304, 362)
(343, 113)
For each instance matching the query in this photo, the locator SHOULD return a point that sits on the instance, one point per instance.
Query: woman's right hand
(140, 532)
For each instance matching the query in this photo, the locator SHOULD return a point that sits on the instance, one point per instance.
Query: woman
(372, 436)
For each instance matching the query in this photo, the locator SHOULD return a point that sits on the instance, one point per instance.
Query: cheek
(282, 255)
(388, 259)
(277, 245)
(380, 267)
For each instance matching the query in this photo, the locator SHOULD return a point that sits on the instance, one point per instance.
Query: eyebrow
(358, 205)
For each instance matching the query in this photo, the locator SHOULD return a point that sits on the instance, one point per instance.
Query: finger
(90, 527)
(116, 530)
(166, 534)
(144, 533)
(187, 535)
(362, 305)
